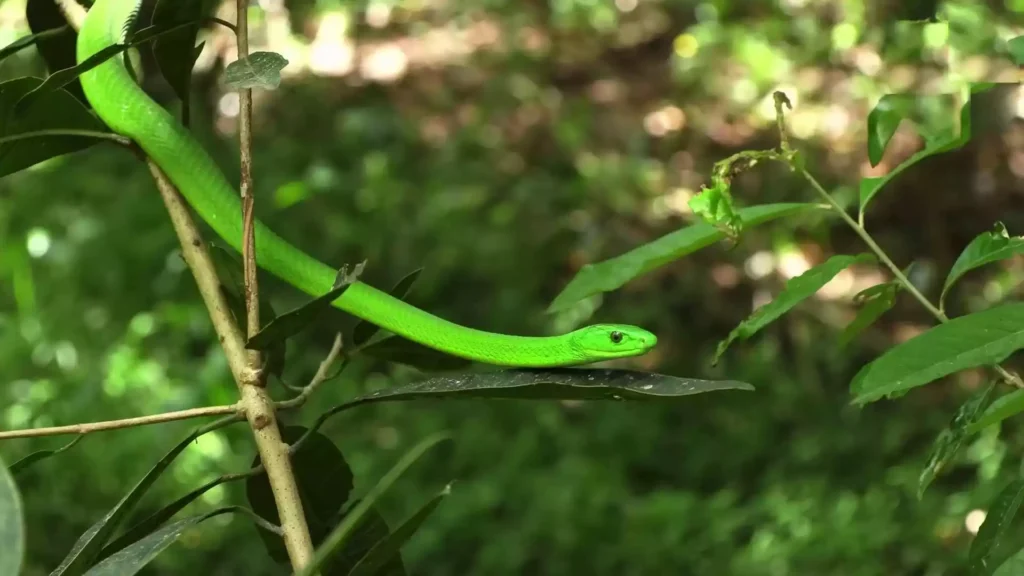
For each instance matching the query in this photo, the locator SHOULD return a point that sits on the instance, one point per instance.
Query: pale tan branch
(89, 427)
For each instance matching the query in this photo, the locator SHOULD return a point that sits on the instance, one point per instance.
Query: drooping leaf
(36, 457)
(363, 330)
(85, 551)
(404, 351)
(258, 70)
(614, 273)
(876, 303)
(1006, 406)
(948, 442)
(998, 519)
(324, 481)
(978, 339)
(134, 558)
(386, 550)
(291, 323)
(339, 536)
(987, 247)
(175, 53)
(152, 522)
(12, 524)
(796, 291)
(715, 206)
(55, 40)
(56, 111)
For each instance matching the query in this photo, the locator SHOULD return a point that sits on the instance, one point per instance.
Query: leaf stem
(67, 132)
(88, 427)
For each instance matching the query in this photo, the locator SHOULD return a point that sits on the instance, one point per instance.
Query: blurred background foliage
(502, 145)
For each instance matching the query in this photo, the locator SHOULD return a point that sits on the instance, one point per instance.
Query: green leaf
(86, 550)
(997, 521)
(1012, 566)
(389, 548)
(715, 206)
(291, 323)
(324, 481)
(796, 291)
(134, 558)
(175, 53)
(880, 300)
(338, 537)
(978, 339)
(371, 531)
(258, 70)
(614, 273)
(61, 78)
(1016, 47)
(986, 248)
(936, 142)
(551, 384)
(55, 111)
(1004, 407)
(925, 111)
(948, 442)
(35, 457)
(152, 522)
(403, 351)
(32, 40)
(363, 330)
(12, 524)
(55, 40)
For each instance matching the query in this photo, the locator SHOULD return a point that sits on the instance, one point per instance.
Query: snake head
(606, 341)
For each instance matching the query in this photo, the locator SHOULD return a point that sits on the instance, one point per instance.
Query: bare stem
(322, 373)
(88, 427)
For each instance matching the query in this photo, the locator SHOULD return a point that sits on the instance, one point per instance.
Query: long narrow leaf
(385, 550)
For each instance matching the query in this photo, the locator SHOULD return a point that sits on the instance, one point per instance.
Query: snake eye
(616, 336)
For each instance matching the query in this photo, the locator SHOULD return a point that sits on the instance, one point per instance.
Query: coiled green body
(123, 106)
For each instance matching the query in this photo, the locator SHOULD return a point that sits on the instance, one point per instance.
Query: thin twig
(117, 138)
(252, 302)
(321, 376)
(88, 427)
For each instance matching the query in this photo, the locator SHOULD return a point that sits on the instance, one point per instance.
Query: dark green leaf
(948, 443)
(324, 481)
(364, 330)
(33, 458)
(55, 40)
(1016, 47)
(372, 530)
(61, 78)
(986, 248)
(31, 40)
(614, 273)
(1006, 406)
(55, 111)
(876, 304)
(336, 540)
(291, 323)
(151, 523)
(796, 291)
(978, 339)
(85, 551)
(259, 70)
(552, 384)
(997, 521)
(389, 548)
(134, 558)
(402, 351)
(175, 53)
(12, 524)
(1012, 566)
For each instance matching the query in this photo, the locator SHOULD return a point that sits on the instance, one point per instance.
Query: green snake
(127, 110)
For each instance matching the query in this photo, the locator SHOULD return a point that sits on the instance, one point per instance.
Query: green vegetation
(814, 206)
